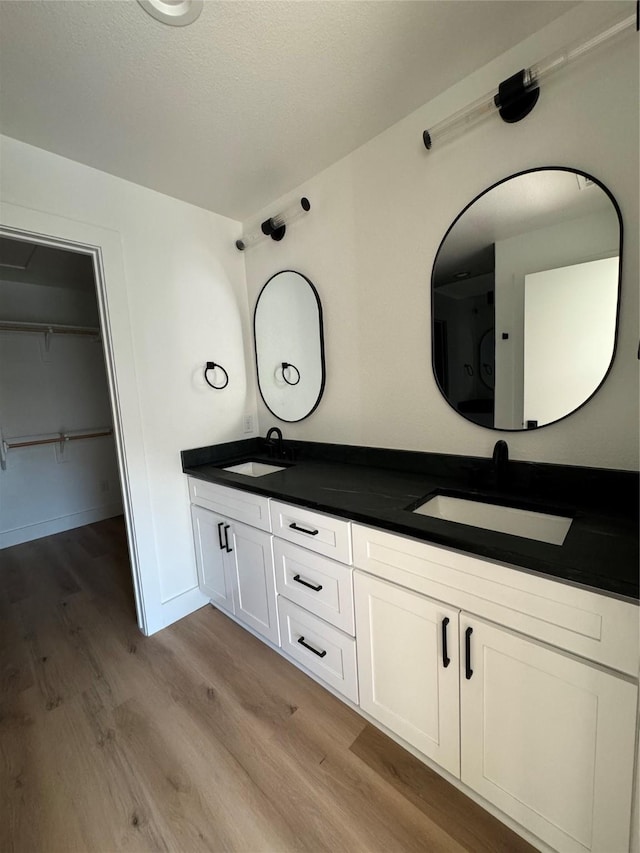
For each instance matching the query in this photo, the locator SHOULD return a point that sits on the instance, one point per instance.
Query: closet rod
(48, 328)
(60, 438)
(63, 436)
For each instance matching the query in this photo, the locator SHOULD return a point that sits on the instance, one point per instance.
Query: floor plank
(199, 738)
(473, 827)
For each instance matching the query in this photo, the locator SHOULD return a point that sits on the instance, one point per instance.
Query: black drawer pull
(226, 538)
(294, 526)
(468, 672)
(220, 525)
(311, 649)
(298, 579)
(446, 660)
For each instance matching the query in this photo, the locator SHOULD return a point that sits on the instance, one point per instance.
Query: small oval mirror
(524, 299)
(288, 335)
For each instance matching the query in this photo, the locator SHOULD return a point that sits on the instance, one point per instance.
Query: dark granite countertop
(379, 487)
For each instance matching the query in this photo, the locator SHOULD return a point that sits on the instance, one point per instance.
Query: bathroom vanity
(509, 663)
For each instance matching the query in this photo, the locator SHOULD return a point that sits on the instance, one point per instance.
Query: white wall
(176, 298)
(45, 390)
(376, 222)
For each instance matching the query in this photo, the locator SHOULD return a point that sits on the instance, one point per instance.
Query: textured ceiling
(250, 100)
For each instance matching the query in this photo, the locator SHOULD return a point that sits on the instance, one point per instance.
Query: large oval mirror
(524, 299)
(288, 337)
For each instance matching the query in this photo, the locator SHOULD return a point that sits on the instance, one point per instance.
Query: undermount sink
(254, 469)
(529, 524)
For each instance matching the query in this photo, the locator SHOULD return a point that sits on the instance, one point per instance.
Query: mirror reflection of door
(465, 312)
(517, 234)
(569, 329)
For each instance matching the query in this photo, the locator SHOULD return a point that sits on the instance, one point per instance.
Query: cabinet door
(406, 680)
(254, 589)
(547, 738)
(214, 577)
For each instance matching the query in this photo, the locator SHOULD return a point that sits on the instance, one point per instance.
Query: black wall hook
(211, 365)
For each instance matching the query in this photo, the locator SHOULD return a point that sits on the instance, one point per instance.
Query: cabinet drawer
(591, 625)
(320, 585)
(321, 533)
(241, 506)
(333, 658)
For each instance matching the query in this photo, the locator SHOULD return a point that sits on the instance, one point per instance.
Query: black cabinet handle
(294, 526)
(226, 539)
(468, 672)
(446, 660)
(298, 579)
(220, 524)
(311, 649)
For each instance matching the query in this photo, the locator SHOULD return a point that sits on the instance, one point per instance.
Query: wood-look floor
(199, 738)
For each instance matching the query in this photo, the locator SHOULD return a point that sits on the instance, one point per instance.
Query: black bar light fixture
(518, 95)
(276, 226)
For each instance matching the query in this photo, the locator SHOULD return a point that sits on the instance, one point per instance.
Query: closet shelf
(50, 438)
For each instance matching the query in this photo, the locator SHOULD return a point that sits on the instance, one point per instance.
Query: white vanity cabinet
(546, 736)
(235, 560)
(315, 594)
(522, 688)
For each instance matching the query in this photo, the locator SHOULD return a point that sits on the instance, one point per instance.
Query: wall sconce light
(518, 95)
(276, 226)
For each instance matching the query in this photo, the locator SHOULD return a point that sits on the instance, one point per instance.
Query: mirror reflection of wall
(497, 278)
(288, 337)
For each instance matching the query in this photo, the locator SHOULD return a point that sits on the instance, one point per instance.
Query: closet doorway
(59, 450)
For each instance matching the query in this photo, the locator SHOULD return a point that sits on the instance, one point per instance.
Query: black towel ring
(285, 367)
(211, 365)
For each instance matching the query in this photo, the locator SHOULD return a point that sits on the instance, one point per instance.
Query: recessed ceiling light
(176, 13)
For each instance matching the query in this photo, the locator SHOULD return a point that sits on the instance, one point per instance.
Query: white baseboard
(57, 525)
(177, 608)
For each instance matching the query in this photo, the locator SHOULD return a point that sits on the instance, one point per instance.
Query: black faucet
(275, 448)
(500, 463)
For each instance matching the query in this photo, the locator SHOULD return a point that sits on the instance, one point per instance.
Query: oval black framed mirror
(525, 294)
(289, 346)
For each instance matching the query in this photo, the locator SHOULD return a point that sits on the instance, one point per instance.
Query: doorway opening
(61, 449)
